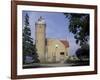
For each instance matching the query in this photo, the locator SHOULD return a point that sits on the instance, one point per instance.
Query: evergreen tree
(28, 46)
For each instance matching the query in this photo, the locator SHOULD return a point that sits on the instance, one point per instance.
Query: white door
(62, 55)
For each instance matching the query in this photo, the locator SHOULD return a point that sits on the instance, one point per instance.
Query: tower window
(61, 53)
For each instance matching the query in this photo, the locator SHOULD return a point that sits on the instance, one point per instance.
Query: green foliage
(79, 26)
(83, 53)
(28, 46)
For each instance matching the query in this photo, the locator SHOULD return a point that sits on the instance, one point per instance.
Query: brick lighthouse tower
(40, 36)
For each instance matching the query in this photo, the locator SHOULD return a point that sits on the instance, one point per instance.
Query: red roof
(65, 42)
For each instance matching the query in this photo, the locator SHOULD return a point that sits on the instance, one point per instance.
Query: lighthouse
(40, 37)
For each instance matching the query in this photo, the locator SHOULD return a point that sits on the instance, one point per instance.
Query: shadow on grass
(67, 64)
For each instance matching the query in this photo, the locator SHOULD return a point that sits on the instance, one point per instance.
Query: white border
(21, 71)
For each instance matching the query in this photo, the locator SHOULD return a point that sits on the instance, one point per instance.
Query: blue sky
(56, 27)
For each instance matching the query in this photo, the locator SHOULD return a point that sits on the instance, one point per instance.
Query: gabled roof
(65, 42)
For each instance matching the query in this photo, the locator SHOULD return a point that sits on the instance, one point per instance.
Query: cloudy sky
(56, 27)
